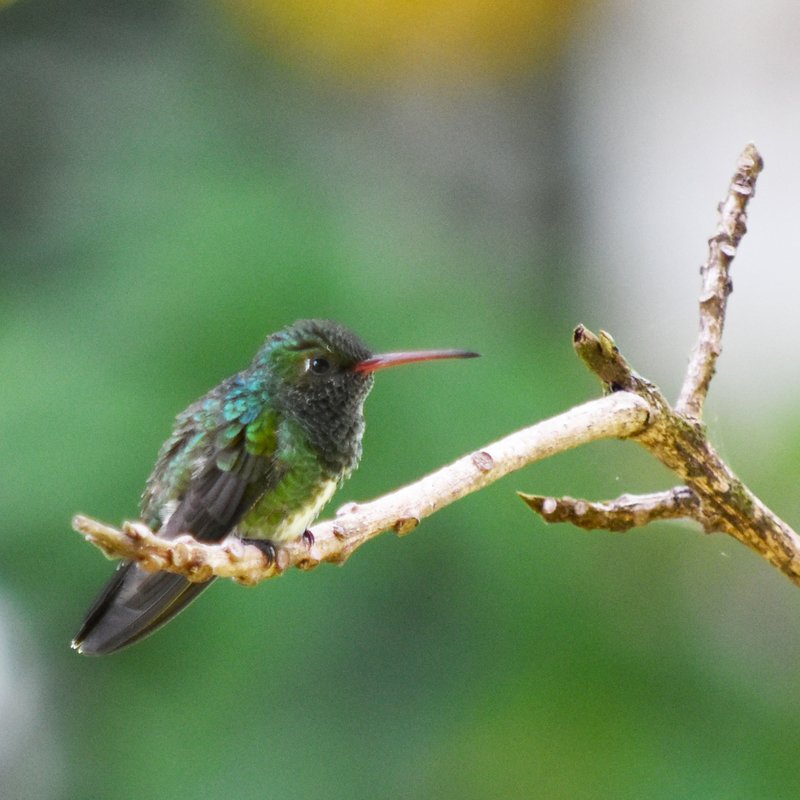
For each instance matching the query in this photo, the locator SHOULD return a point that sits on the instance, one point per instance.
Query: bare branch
(602, 356)
(633, 408)
(680, 443)
(625, 512)
(194, 560)
(617, 416)
(717, 284)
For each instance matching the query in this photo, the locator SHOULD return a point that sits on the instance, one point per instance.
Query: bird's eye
(319, 365)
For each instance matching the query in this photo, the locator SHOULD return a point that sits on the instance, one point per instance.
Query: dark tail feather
(133, 604)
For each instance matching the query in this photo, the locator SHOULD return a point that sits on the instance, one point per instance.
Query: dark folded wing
(135, 603)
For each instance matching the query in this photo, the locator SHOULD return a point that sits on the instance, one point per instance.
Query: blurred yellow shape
(441, 41)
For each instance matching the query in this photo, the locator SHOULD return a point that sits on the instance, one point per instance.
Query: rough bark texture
(717, 285)
(679, 441)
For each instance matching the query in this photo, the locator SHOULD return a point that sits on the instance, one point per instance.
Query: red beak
(386, 360)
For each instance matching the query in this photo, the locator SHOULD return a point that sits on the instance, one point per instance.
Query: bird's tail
(133, 604)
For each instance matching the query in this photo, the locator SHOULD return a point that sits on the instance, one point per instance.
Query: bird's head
(319, 373)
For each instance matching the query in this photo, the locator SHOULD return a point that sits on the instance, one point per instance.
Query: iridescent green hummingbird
(257, 457)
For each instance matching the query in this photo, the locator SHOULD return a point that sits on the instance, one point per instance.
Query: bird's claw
(266, 547)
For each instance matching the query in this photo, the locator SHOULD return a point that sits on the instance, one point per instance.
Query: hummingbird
(258, 457)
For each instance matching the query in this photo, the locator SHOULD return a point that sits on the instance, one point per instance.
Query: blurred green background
(179, 179)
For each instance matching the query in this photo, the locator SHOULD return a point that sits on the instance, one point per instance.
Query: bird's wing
(239, 464)
(239, 469)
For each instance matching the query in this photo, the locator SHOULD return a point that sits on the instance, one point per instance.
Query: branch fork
(632, 408)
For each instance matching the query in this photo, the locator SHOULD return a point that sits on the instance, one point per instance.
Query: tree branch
(619, 515)
(680, 443)
(675, 436)
(614, 417)
(717, 284)
(634, 409)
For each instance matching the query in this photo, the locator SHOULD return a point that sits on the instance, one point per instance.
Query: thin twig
(619, 515)
(717, 284)
(616, 416)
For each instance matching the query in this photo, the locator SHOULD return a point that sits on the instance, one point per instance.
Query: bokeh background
(178, 179)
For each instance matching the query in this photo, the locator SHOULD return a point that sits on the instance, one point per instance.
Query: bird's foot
(266, 547)
(310, 561)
